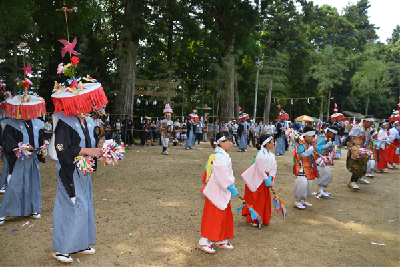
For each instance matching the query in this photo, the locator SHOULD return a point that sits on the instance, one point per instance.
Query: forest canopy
(303, 57)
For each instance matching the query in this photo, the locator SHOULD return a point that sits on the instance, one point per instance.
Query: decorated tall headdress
(78, 97)
(25, 104)
(337, 117)
(283, 115)
(167, 109)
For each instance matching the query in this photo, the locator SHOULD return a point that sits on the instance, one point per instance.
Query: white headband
(385, 123)
(267, 141)
(395, 122)
(332, 130)
(309, 133)
(220, 140)
(370, 119)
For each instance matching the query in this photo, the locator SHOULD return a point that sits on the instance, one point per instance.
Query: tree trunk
(256, 89)
(15, 74)
(329, 104)
(321, 112)
(366, 107)
(236, 98)
(268, 103)
(170, 42)
(227, 85)
(126, 64)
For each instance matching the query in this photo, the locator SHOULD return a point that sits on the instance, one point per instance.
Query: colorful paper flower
(74, 61)
(60, 68)
(26, 84)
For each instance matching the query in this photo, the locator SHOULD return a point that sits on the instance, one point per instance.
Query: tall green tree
(328, 72)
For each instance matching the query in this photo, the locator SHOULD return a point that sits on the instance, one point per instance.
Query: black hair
(262, 139)
(218, 136)
(368, 117)
(334, 127)
(308, 129)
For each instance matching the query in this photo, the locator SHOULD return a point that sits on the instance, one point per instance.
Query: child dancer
(384, 140)
(324, 149)
(217, 221)
(304, 168)
(259, 178)
(394, 143)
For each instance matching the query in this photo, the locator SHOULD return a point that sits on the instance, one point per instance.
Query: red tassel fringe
(24, 112)
(81, 103)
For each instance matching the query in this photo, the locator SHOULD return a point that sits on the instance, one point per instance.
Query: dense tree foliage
(310, 56)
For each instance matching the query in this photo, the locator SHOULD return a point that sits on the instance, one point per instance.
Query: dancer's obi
(258, 172)
(308, 164)
(221, 178)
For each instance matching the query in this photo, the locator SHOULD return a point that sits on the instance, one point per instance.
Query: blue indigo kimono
(73, 223)
(24, 192)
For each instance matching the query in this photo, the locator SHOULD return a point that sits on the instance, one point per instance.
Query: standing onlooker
(216, 127)
(234, 131)
(158, 127)
(270, 129)
(117, 128)
(48, 128)
(149, 132)
(153, 130)
(223, 127)
(205, 131)
(183, 133)
(199, 131)
(251, 133)
(127, 127)
(296, 125)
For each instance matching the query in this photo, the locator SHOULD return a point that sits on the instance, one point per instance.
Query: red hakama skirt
(261, 202)
(381, 165)
(391, 156)
(216, 224)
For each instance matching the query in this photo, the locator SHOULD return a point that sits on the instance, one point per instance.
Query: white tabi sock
(73, 199)
(203, 241)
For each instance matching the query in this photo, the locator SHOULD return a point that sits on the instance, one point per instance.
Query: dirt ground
(148, 212)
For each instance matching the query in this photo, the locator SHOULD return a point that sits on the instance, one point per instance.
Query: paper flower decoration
(279, 106)
(25, 84)
(69, 47)
(74, 61)
(60, 68)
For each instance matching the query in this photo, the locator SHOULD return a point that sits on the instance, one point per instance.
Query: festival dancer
(384, 141)
(166, 128)
(394, 143)
(281, 138)
(337, 140)
(217, 220)
(190, 142)
(371, 161)
(243, 135)
(74, 135)
(304, 168)
(324, 151)
(23, 138)
(259, 179)
(75, 146)
(4, 172)
(357, 159)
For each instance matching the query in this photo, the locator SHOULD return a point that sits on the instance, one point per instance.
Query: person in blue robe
(73, 213)
(243, 137)
(280, 138)
(190, 142)
(23, 196)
